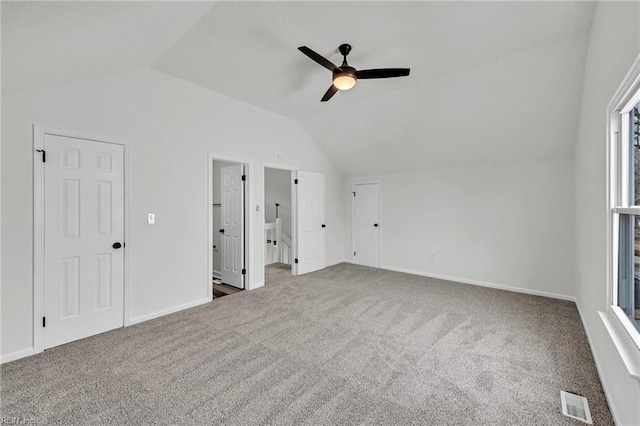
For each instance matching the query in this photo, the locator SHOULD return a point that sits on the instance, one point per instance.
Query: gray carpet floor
(346, 345)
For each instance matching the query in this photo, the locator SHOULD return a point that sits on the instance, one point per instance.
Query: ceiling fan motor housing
(344, 49)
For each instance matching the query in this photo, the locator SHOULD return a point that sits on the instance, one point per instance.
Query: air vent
(575, 406)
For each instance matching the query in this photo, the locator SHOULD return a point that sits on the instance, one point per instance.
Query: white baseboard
(168, 311)
(482, 284)
(335, 262)
(16, 355)
(255, 285)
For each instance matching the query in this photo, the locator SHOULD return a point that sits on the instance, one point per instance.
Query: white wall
(171, 126)
(277, 189)
(613, 45)
(503, 225)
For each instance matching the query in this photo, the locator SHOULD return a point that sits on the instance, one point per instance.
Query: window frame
(623, 332)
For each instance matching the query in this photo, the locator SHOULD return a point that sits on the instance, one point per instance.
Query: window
(628, 288)
(624, 144)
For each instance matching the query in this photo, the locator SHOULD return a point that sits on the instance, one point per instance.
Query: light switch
(151, 218)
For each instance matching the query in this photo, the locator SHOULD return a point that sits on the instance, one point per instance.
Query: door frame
(39, 133)
(353, 218)
(294, 211)
(246, 220)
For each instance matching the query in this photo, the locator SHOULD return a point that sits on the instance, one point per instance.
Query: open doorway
(278, 219)
(228, 219)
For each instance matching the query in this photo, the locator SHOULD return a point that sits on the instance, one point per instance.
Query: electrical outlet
(151, 218)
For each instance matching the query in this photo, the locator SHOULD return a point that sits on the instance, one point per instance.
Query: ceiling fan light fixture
(344, 80)
(345, 76)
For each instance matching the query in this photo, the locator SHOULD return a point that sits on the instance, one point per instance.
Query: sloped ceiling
(490, 81)
(45, 43)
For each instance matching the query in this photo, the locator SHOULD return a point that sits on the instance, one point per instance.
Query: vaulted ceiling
(490, 81)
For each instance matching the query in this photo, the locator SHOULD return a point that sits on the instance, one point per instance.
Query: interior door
(366, 249)
(84, 238)
(310, 227)
(232, 225)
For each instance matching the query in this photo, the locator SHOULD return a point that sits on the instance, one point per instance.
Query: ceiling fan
(344, 76)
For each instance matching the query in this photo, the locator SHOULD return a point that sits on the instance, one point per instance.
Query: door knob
(222, 231)
(375, 224)
(324, 226)
(116, 245)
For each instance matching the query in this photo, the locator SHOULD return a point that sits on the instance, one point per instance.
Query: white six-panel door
(232, 225)
(366, 236)
(83, 218)
(310, 222)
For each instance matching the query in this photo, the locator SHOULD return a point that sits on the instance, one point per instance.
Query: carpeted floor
(346, 345)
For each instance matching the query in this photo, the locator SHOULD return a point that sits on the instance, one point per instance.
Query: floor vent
(575, 406)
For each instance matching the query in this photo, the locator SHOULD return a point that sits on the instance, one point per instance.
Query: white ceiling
(49, 42)
(490, 81)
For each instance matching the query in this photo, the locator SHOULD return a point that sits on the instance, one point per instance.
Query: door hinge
(244, 177)
(244, 272)
(296, 260)
(354, 253)
(354, 194)
(44, 155)
(44, 321)
(295, 181)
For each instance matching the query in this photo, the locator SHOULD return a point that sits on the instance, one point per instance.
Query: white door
(310, 226)
(83, 221)
(366, 227)
(232, 225)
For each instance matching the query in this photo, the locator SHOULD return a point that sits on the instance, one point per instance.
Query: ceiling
(50, 42)
(490, 81)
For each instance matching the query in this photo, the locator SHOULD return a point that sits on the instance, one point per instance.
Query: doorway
(228, 219)
(366, 226)
(278, 218)
(79, 237)
(303, 207)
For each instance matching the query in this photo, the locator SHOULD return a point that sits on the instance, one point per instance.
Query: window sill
(625, 338)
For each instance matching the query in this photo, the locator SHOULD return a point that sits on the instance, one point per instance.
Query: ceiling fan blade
(329, 94)
(318, 58)
(383, 73)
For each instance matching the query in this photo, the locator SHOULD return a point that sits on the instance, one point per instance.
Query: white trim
(482, 283)
(335, 262)
(624, 343)
(128, 277)
(626, 210)
(255, 286)
(23, 353)
(38, 227)
(38, 240)
(294, 221)
(353, 218)
(632, 95)
(163, 312)
(628, 327)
